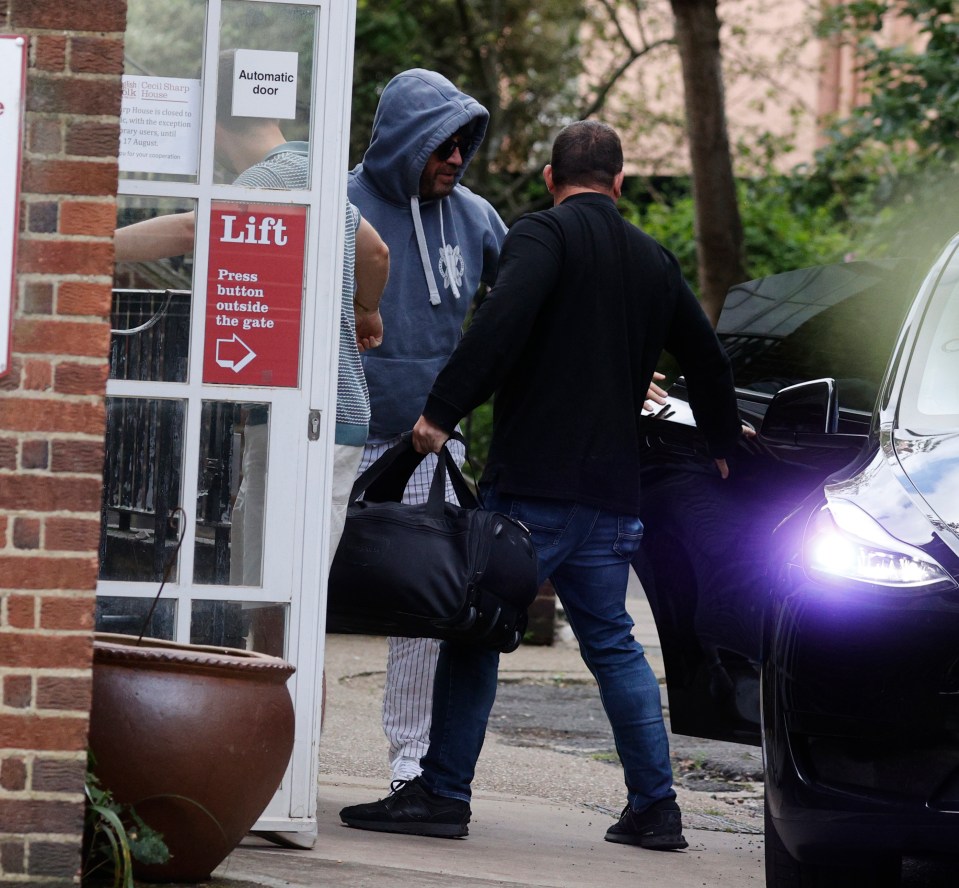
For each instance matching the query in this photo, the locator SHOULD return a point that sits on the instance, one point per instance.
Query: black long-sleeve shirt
(568, 339)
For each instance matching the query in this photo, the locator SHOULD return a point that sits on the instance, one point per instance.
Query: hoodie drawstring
(424, 251)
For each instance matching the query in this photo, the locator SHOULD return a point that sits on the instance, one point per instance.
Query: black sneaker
(659, 827)
(412, 809)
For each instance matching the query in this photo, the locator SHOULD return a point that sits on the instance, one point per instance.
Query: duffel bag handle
(464, 495)
(385, 480)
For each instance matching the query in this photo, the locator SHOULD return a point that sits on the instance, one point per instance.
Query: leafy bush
(782, 230)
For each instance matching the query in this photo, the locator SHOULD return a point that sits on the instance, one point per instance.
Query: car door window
(836, 321)
(931, 397)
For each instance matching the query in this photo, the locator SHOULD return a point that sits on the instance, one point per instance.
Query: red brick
(43, 176)
(81, 379)
(21, 611)
(36, 651)
(12, 857)
(50, 256)
(13, 774)
(40, 336)
(54, 692)
(84, 298)
(47, 415)
(96, 55)
(18, 691)
(93, 139)
(46, 493)
(59, 860)
(42, 217)
(72, 534)
(37, 376)
(26, 533)
(8, 455)
(55, 15)
(50, 52)
(67, 614)
(50, 817)
(37, 298)
(44, 136)
(58, 775)
(48, 573)
(87, 217)
(77, 456)
(4, 524)
(35, 454)
(11, 382)
(74, 95)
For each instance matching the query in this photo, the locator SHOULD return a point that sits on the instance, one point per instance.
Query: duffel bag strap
(464, 494)
(385, 479)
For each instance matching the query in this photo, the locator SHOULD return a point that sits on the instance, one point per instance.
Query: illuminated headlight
(843, 542)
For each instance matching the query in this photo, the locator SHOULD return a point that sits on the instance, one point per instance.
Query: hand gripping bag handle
(386, 479)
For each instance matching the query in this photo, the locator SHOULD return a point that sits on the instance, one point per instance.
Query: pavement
(540, 810)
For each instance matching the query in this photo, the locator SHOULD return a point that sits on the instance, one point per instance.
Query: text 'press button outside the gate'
(254, 294)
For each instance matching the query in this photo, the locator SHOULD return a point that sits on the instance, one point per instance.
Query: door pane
(132, 616)
(141, 488)
(231, 498)
(249, 625)
(265, 77)
(160, 114)
(150, 313)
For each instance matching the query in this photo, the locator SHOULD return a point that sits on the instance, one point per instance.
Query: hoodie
(440, 250)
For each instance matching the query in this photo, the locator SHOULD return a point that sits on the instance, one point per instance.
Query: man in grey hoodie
(444, 241)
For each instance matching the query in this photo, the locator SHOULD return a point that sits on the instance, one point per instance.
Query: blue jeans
(586, 552)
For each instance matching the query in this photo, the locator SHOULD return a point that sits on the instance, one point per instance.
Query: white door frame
(296, 545)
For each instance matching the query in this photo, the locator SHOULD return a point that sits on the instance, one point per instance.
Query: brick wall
(51, 428)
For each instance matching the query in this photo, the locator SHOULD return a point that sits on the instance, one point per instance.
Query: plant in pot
(195, 738)
(113, 836)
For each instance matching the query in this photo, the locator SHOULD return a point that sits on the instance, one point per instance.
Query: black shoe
(412, 809)
(659, 827)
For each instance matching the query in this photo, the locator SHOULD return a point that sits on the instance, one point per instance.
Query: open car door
(704, 562)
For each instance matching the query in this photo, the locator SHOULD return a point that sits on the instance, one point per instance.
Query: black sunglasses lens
(445, 150)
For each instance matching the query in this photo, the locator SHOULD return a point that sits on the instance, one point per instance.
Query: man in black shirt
(568, 339)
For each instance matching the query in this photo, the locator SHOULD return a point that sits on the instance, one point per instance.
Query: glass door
(224, 325)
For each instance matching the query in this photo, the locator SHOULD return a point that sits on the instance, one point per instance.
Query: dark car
(810, 603)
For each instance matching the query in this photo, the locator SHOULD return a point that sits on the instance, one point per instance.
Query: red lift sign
(254, 294)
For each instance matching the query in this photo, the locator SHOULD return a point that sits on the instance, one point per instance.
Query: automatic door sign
(254, 294)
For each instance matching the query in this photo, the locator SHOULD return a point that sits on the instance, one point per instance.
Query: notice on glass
(264, 84)
(254, 294)
(160, 125)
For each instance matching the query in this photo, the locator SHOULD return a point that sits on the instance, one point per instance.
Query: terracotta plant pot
(196, 738)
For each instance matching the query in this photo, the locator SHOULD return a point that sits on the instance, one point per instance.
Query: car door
(704, 558)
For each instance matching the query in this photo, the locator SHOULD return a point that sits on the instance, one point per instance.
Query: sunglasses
(444, 151)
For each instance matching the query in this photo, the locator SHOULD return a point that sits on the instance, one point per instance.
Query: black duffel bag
(432, 570)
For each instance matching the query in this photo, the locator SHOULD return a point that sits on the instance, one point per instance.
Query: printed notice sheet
(160, 125)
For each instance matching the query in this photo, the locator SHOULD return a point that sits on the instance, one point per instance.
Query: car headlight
(842, 542)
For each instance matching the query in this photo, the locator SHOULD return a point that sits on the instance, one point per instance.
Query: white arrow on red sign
(233, 353)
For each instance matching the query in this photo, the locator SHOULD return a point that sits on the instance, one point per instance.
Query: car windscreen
(930, 396)
(837, 321)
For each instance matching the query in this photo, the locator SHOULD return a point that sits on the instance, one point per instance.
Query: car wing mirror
(799, 413)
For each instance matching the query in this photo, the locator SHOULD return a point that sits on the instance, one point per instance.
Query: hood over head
(417, 111)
